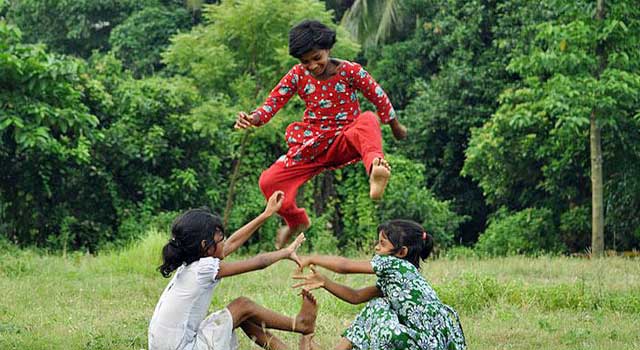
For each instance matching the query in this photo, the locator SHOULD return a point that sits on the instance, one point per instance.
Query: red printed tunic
(331, 106)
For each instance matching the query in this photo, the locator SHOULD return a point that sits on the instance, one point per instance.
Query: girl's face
(384, 246)
(216, 250)
(315, 61)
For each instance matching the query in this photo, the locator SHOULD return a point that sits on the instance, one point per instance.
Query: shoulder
(350, 68)
(296, 74)
(381, 263)
(385, 263)
(208, 269)
(298, 69)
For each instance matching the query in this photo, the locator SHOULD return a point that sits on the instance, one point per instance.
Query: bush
(575, 228)
(530, 231)
(406, 197)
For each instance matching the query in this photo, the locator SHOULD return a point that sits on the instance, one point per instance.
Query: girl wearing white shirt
(196, 252)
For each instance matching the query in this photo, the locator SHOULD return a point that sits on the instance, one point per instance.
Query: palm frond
(372, 22)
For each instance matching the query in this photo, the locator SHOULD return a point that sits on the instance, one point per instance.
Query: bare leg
(344, 344)
(306, 342)
(243, 309)
(380, 173)
(262, 337)
(285, 233)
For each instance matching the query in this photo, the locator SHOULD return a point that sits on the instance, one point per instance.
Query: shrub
(529, 231)
(575, 228)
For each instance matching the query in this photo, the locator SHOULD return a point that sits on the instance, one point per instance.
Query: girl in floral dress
(333, 132)
(403, 311)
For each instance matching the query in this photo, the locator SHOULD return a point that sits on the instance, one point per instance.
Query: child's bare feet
(380, 173)
(305, 321)
(284, 233)
(306, 342)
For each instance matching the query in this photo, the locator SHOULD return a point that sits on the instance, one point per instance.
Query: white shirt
(183, 305)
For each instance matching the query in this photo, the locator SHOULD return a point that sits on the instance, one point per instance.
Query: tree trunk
(597, 200)
(234, 178)
(597, 207)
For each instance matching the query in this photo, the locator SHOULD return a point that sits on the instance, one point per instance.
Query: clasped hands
(311, 281)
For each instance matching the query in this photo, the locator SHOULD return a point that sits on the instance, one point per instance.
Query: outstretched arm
(261, 261)
(354, 296)
(237, 239)
(338, 264)
(278, 97)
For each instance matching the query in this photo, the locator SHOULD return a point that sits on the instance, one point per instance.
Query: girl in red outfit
(333, 132)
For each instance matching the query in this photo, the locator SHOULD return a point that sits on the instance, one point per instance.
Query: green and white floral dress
(408, 316)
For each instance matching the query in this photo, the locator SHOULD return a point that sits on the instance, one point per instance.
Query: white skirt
(216, 332)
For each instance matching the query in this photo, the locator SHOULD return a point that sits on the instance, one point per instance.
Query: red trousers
(361, 140)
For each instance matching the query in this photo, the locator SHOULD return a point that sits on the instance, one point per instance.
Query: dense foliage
(116, 115)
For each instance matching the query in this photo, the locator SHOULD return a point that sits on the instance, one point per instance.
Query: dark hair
(309, 35)
(187, 231)
(407, 233)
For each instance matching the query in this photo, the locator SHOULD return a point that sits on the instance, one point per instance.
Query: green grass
(105, 302)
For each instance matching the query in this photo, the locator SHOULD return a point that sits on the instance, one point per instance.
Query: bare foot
(380, 173)
(306, 342)
(305, 321)
(284, 233)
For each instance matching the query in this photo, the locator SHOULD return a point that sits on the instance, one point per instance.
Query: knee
(266, 183)
(369, 117)
(242, 302)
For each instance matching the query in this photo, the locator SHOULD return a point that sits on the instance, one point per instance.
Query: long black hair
(308, 35)
(407, 233)
(187, 232)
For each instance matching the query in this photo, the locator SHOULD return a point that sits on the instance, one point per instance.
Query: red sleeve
(279, 96)
(363, 81)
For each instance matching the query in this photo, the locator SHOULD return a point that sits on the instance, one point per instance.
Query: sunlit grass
(104, 302)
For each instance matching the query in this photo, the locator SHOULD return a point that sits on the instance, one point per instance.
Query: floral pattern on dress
(377, 327)
(331, 105)
(410, 306)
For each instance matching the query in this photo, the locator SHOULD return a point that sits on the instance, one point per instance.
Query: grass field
(105, 302)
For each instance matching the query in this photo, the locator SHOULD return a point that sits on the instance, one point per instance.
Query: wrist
(284, 253)
(264, 215)
(255, 119)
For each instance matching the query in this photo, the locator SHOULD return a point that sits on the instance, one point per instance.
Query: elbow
(355, 300)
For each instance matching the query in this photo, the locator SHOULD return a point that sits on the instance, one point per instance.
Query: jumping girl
(333, 132)
(196, 252)
(403, 311)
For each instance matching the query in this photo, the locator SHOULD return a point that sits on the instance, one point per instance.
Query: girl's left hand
(293, 248)
(399, 131)
(274, 203)
(313, 281)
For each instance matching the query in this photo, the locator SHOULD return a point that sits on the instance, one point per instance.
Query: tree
(597, 201)
(446, 77)
(373, 22)
(534, 150)
(46, 135)
(139, 40)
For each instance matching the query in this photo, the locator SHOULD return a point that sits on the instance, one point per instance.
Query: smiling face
(316, 61)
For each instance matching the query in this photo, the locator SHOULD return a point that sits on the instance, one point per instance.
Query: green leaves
(566, 81)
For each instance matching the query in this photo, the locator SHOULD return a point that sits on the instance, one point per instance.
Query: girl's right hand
(243, 120)
(304, 261)
(274, 203)
(293, 248)
(312, 281)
